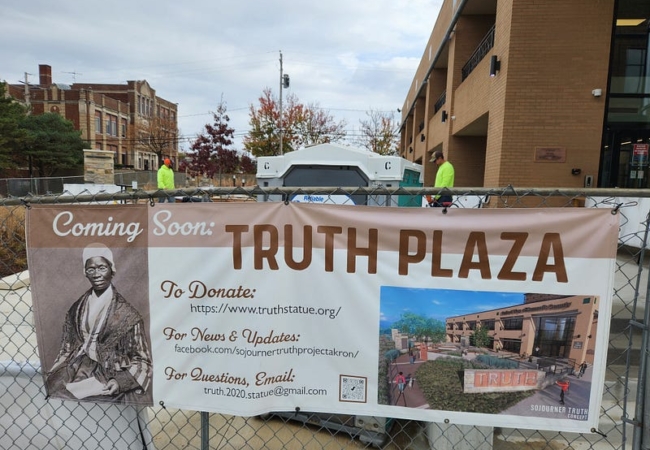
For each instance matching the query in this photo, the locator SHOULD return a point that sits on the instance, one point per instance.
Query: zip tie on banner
(25, 203)
(616, 208)
(161, 403)
(297, 410)
(152, 203)
(593, 430)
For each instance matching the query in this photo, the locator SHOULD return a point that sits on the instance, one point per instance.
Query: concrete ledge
(15, 281)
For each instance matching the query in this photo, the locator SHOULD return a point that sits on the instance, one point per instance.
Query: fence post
(641, 433)
(205, 430)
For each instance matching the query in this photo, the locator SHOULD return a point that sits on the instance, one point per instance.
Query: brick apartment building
(112, 117)
(527, 93)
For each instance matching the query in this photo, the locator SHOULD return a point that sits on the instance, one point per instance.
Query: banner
(480, 317)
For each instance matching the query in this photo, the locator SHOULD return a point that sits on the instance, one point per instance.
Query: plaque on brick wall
(550, 154)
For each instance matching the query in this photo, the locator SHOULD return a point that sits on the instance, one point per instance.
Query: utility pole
(27, 102)
(281, 82)
(284, 83)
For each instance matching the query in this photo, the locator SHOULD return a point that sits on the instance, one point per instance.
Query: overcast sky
(347, 56)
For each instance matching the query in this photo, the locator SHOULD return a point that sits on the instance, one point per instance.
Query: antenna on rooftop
(74, 75)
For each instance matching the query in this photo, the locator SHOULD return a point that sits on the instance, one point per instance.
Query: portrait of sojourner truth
(104, 354)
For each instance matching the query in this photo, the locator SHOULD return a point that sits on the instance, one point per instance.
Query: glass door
(626, 159)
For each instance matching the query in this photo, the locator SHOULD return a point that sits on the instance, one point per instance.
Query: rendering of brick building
(538, 94)
(542, 326)
(111, 117)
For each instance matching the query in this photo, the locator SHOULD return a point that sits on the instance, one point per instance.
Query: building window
(111, 125)
(516, 323)
(635, 66)
(98, 122)
(511, 345)
(123, 131)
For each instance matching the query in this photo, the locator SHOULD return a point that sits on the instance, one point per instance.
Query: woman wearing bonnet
(104, 355)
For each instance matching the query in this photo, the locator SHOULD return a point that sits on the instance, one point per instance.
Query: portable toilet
(336, 165)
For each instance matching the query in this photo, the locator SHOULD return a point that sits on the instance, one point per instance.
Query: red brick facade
(108, 115)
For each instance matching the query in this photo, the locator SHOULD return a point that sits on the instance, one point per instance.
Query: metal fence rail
(30, 421)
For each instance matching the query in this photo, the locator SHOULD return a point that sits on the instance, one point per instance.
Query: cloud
(348, 57)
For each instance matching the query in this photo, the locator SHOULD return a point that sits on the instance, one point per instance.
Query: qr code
(352, 389)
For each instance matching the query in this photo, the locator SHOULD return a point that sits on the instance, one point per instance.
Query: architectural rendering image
(509, 353)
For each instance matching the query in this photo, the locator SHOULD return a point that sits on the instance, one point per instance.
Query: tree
(434, 330)
(316, 126)
(156, 134)
(12, 136)
(247, 164)
(480, 337)
(301, 125)
(263, 139)
(211, 152)
(410, 323)
(379, 133)
(52, 144)
(421, 327)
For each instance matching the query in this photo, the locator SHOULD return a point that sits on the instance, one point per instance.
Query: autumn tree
(301, 125)
(315, 125)
(212, 152)
(263, 139)
(157, 134)
(379, 133)
(52, 144)
(247, 164)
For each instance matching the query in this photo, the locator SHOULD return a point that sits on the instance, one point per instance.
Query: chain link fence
(30, 421)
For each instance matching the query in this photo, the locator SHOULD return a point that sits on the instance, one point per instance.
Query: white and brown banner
(474, 316)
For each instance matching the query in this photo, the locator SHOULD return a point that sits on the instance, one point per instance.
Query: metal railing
(483, 48)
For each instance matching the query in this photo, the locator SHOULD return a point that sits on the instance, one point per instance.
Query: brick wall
(552, 53)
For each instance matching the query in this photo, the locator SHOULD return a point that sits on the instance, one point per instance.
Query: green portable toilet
(411, 179)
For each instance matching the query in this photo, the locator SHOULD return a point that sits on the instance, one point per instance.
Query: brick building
(543, 325)
(534, 93)
(111, 117)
